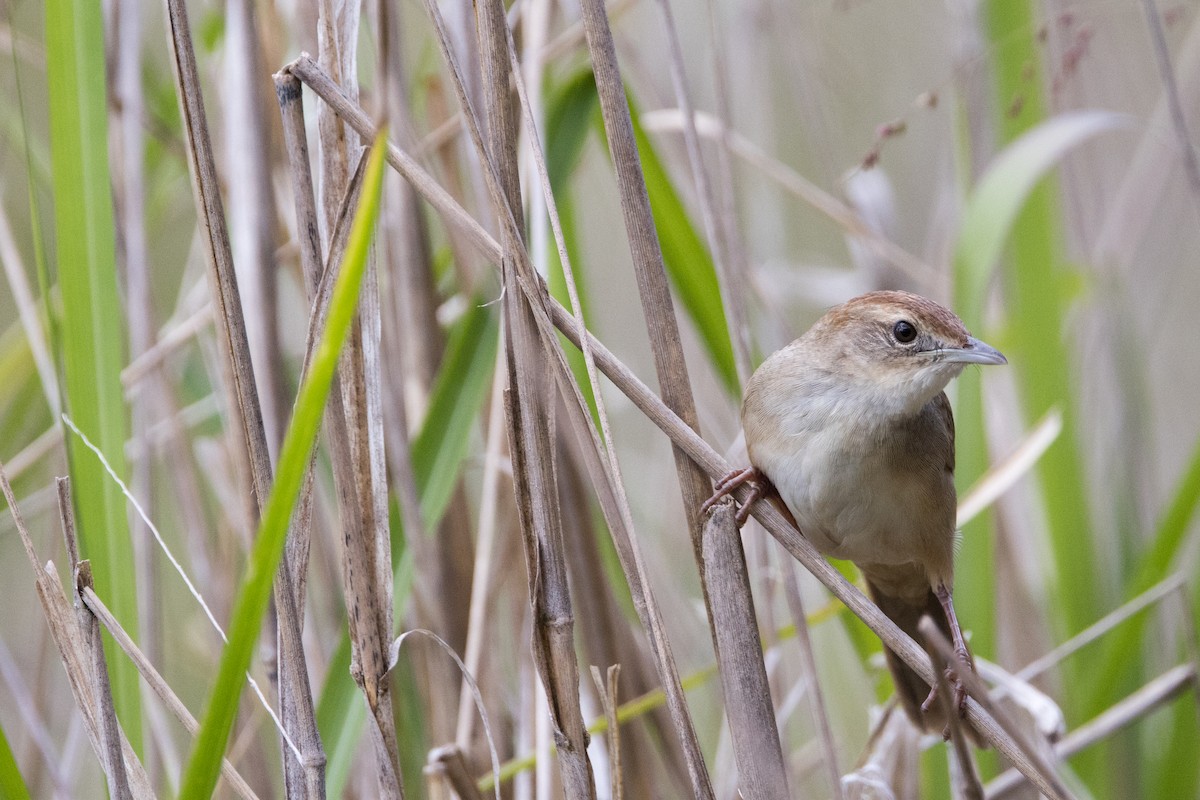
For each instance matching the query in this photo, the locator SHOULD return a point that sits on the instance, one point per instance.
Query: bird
(850, 427)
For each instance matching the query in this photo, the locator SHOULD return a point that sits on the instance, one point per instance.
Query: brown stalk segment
(762, 773)
(450, 763)
(369, 614)
(75, 652)
(299, 716)
(529, 406)
(156, 682)
(368, 566)
(110, 733)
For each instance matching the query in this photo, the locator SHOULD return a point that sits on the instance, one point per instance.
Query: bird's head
(897, 348)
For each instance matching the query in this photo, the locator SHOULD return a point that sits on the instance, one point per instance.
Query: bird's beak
(973, 352)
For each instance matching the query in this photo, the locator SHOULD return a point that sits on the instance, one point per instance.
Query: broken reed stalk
(369, 614)
(762, 771)
(606, 689)
(529, 406)
(682, 435)
(89, 628)
(76, 655)
(977, 690)
(159, 685)
(299, 717)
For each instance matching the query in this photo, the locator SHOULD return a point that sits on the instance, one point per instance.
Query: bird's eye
(904, 331)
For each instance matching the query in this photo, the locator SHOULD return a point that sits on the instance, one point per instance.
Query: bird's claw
(956, 684)
(728, 484)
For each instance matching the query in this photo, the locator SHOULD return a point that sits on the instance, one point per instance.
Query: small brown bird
(849, 424)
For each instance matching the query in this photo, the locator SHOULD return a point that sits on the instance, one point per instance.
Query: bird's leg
(960, 650)
(728, 484)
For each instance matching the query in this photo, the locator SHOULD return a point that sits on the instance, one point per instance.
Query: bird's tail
(906, 612)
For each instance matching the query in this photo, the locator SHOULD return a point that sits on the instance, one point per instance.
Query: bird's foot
(729, 484)
(956, 685)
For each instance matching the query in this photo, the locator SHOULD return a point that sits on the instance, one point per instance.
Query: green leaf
(458, 392)
(571, 110)
(91, 339)
(254, 594)
(996, 202)
(12, 783)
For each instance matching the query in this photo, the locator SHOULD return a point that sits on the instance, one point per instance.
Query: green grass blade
(572, 109)
(12, 783)
(1004, 190)
(91, 341)
(457, 395)
(200, 776)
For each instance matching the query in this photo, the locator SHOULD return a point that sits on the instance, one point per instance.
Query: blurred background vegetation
(1030, 164)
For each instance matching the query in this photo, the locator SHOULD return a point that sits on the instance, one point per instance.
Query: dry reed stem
(529, 407)
(601, 461)
(296, 702)
(1041, 771)
(451, 765)
(737, 255)
(369, 613)
(167, 343)
(808, 661)
(75, 650)
(89, 628)
(801, 187)
(1102, 626)
(252, 213)
(486, 561)
(158, 684)
(1153, 695)
(1162, 59)
(657, 308)
(28, 313)
(715, 231)
(606, 689)
(129, 195)
(762, 774)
